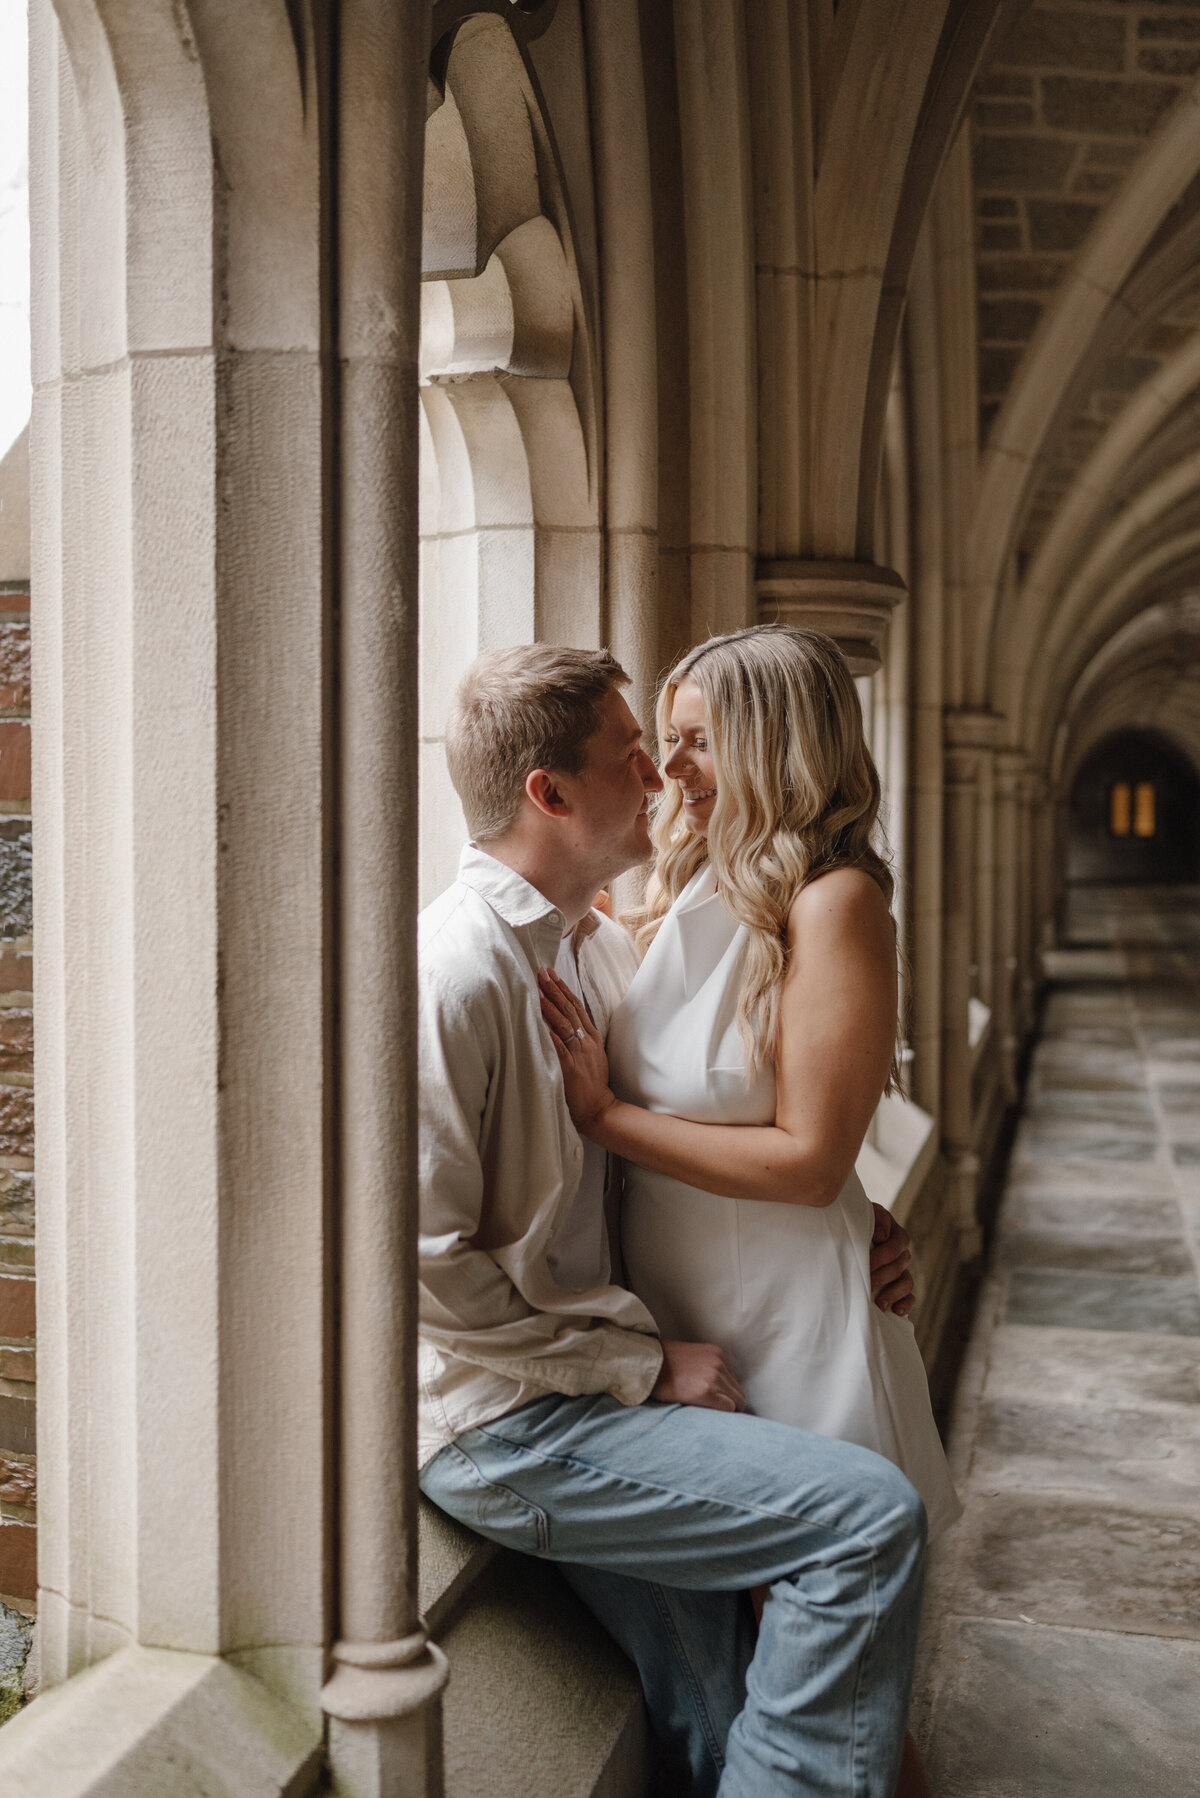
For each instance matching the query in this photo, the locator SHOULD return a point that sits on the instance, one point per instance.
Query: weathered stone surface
(1059, 224)
(1100, 107)
(1008, 321)
(16, 1042)
(1166, 59)
(1028, 274)
(16, 1634)
(1024, 164)
(16, 1121)
(14, 664)
(1004, 115)
(1141, 1456)
(1092, 1564)
(1065, 40)
(996, 368)
(17, 1308)
(16, 878)
(1002, 84)
(1165, 1255)
(18, 1430)
(16, 1203)
(18, 1481)
(18, 1561)
(1178, 30)
(1147, 1304)
(14, 759)
(1113, 1372)
(1052, 1713)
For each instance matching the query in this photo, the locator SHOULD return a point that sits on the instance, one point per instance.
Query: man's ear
(543, 790)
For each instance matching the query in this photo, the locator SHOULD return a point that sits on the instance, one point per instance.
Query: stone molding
(852, 602)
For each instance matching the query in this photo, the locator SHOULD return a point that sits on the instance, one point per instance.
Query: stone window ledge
(895, 1160)
(146, 1721)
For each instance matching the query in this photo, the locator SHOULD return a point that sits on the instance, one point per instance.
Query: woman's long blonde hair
(797, 795)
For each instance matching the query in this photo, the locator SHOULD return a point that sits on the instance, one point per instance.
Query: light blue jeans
(663, 1516)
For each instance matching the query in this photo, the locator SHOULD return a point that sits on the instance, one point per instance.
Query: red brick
(18, 1482)
(14, 665)
(16, 973)
(16, 1042)
(16, 1120)
(17, 1306)
(18, 1560)
(14, 760)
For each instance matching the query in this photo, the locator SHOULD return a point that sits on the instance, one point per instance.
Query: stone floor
(1062, 1641)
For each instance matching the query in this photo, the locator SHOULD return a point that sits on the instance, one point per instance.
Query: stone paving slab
(1084, 1301)
(1097, 1565)
(1093, 1367)
(1141, 1456)
(1085, 1214)
(1059, 1713)
(1101, 1251)
(1061, 1653)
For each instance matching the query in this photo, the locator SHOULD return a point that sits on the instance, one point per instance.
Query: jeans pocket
(456, 1483)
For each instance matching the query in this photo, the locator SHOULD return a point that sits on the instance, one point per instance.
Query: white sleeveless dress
(784, 1289)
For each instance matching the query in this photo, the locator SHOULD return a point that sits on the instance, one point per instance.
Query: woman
(752, 1049)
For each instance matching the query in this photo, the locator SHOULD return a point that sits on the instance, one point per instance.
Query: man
(553, 1420)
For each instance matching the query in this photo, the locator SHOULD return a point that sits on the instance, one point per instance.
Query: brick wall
(18, 1473)
(1066, 104)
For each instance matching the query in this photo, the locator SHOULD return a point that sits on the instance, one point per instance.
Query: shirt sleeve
(469, 1307)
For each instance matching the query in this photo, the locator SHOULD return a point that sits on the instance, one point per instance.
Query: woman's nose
(675, 763)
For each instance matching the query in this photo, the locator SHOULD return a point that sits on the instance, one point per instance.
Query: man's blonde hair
(537, 706)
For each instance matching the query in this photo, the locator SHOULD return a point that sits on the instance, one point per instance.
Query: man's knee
(902, 1513)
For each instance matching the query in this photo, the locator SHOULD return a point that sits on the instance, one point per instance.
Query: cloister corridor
(1063, 1623)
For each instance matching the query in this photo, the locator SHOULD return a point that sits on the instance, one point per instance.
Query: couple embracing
(663, 1331)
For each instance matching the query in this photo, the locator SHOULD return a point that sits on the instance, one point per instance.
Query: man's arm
(470, 1307)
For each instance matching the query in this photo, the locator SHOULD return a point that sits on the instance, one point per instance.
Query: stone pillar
(382, 1698)
(1032, 805)
(969, 737)
(1009, 768)
(852, 602)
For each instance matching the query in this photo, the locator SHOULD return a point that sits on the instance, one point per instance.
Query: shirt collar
(512, 897)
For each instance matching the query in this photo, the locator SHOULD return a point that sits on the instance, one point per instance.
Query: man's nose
(651, 778)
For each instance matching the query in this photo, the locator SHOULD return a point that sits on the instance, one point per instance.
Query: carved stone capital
(850, 601)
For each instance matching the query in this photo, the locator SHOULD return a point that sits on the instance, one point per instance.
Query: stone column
(1032, 803)
(382, 1698)
(969, 736)
(852, 602)
(1009, 768)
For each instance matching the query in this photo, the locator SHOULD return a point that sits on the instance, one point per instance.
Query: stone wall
(18, 1480)
(1062, 111)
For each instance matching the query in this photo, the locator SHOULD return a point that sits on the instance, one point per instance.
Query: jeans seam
(740, 1506)
(694, 1686)
(858, 1772)
(541, 1521)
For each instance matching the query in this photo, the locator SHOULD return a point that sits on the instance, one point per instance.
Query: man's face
(610, 797)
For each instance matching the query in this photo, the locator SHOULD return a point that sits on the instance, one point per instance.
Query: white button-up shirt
(500, 1162)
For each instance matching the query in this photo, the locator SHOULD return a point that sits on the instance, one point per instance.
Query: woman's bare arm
(836, 1040)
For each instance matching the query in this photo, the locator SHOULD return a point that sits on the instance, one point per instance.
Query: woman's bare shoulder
(844, 899)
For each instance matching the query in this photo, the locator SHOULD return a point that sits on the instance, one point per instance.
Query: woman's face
(688, 759)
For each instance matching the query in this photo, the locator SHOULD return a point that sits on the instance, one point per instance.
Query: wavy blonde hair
(797, 795)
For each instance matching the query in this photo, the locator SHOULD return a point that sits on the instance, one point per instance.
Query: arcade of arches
(372, 333)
